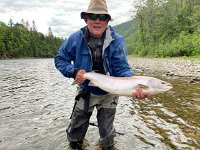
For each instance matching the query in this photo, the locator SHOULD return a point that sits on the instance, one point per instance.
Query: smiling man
(95, 47)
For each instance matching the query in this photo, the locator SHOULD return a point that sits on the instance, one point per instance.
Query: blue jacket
(74, 54)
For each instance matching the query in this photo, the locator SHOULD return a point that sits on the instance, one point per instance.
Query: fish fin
(73, 83)
(142, 86)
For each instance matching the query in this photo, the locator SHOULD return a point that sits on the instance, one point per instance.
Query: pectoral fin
(142, 86)
(73, 83)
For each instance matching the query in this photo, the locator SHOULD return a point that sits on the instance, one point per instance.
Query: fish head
(159, 86)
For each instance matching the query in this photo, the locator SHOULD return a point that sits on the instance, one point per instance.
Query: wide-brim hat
(96, 7)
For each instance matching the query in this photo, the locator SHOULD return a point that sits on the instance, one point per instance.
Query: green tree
(166, 27)
(17, 40)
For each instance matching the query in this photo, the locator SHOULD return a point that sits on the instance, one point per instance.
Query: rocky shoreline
(174, 67)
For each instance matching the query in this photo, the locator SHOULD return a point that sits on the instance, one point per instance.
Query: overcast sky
(63, 16)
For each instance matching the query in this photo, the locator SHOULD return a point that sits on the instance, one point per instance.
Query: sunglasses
(101, 17)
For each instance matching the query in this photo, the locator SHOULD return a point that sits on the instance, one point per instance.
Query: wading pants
(106, 108)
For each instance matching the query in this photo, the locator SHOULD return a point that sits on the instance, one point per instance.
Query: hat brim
(94, 12)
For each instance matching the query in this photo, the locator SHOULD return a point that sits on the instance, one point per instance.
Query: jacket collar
(108, 38)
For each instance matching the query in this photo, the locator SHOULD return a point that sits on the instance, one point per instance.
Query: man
(95, 47)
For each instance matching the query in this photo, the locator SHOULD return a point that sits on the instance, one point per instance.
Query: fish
(125, 86)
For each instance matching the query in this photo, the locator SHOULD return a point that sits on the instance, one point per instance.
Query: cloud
(63, 16)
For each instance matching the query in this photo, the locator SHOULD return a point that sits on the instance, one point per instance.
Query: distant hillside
(127, 28)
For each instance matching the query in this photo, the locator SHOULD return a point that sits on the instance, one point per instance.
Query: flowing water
(36, 102)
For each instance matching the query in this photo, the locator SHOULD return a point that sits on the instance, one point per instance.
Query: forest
(21, 40)
(160, 28)
(164, 28)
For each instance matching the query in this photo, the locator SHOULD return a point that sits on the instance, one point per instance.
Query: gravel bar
(177, 67)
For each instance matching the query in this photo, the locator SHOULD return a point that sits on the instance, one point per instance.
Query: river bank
(175, 67)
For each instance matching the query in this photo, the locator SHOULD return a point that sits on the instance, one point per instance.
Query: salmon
(125, 86)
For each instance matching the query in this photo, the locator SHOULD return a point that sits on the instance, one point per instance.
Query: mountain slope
(127, 28)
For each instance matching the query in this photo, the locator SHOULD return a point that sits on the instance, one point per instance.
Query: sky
(63, 16)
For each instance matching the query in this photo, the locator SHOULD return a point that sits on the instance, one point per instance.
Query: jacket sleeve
(64, 58)
(119, 62)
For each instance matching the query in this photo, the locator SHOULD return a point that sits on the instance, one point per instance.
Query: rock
(170, 74)
(194, 79)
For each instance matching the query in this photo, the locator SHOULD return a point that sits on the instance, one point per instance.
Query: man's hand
(79, 76)
(139, 94)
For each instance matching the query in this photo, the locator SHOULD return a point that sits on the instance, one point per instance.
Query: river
(36, 102)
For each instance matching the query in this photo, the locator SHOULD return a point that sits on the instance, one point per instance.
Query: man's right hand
(79, 76)
(138, 94)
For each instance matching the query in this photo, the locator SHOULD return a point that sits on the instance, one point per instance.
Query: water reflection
(36, 102)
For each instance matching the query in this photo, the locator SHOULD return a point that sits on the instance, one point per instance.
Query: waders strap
(86, 96)
(73, 109)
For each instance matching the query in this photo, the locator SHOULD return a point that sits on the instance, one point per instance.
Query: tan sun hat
(96, 7)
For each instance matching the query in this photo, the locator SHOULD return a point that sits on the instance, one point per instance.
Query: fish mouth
(169, 86)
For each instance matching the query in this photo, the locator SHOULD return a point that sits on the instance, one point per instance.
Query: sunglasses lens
(103, 17)
(93, 16)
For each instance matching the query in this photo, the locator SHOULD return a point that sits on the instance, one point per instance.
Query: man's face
(96, 27)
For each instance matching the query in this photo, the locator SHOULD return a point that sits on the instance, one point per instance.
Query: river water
(36, 102)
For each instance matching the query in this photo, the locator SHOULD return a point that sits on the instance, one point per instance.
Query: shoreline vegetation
(20, 40)
(164, 28)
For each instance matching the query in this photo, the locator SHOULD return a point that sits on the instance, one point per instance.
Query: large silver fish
(125, 86)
